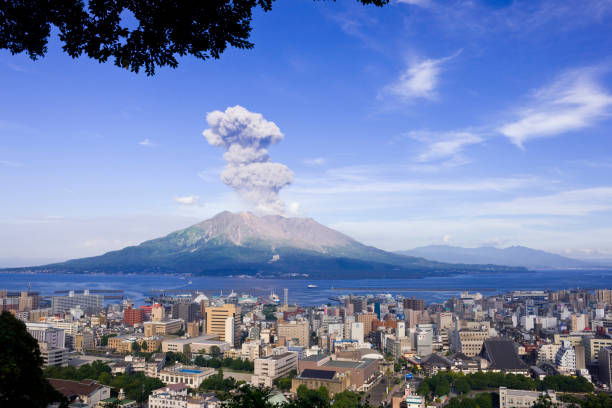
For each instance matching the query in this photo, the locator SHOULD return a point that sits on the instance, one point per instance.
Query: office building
(217, 322)
(414, 304)
(605, 366)
(592, 347)
(161, 328)
(44, 332)
(468, 342)
(296, 332)
(132, 317)
(189, 312)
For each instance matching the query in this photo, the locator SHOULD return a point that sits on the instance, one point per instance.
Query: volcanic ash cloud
(245, 136)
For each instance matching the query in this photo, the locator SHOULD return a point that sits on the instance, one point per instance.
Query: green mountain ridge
(266, 246)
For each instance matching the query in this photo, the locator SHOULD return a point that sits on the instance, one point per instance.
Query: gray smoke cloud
(245, 136)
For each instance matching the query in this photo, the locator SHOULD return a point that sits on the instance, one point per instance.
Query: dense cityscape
(193, 349)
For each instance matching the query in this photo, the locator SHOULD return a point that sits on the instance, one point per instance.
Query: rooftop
(316, 357)
(318, 374)
(70, 388)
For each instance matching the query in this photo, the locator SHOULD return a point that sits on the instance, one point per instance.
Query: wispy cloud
(579, 202)
(421, 3)
(419, 79)
(8, 163)
(146, 143)
(188, 200)
(17, 68)
(444, 145)
(574, 101)
(315, 161)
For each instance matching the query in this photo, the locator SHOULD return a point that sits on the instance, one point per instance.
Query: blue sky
(425, 122)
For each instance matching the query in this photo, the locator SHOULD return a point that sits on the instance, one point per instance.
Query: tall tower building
(216, 322)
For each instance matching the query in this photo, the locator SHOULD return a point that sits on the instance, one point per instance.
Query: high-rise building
(366, 319)
(414, 304)
(605, 366)
(132, 316)
(44, 332)
(51, 341)
(579, 322)
(357, 331)
(359, 304)
(193, 329)
(298, 332)
(186, 311)
(216, 322)
(604, 295)
(158, 313)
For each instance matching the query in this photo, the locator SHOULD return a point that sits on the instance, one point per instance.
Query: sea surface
(432, 289)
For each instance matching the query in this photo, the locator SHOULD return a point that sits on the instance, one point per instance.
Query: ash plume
(245, 136)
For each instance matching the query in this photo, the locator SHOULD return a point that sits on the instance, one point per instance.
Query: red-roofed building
(88, 392)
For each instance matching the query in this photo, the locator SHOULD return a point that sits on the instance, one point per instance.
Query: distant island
(511, 256)
(264, 246)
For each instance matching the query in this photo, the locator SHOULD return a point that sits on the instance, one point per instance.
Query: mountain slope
(243, 243)
(511, 256)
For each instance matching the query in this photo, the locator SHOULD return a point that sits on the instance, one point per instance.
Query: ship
(311, 286)
(274, 297)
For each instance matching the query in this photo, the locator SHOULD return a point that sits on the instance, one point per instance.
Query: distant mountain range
(511, 256)
(267, 246)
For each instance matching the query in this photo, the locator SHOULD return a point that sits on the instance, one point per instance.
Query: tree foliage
(438, 385)
(134, 34)
(136, 386)
(236, 364)
(216, 382)
(22, 383)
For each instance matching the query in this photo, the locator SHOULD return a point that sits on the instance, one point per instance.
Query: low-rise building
(162, 328)
(86, 392)
(191, 376)
(333, 381)
(509, 398)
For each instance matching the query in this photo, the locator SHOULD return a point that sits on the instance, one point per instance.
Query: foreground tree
(21, 377)
(133, 33)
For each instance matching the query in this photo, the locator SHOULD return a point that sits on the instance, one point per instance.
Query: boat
(274, 297)
(311, 286)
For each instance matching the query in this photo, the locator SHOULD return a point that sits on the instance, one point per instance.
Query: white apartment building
(547, 353)
(269, 368)
(565, 360)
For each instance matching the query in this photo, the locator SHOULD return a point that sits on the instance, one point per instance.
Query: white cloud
(188, 200)
(443, 145)
(419, 79)
(147, 143)
(574, 101)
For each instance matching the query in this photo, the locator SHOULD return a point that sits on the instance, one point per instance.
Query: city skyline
(418, 123)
